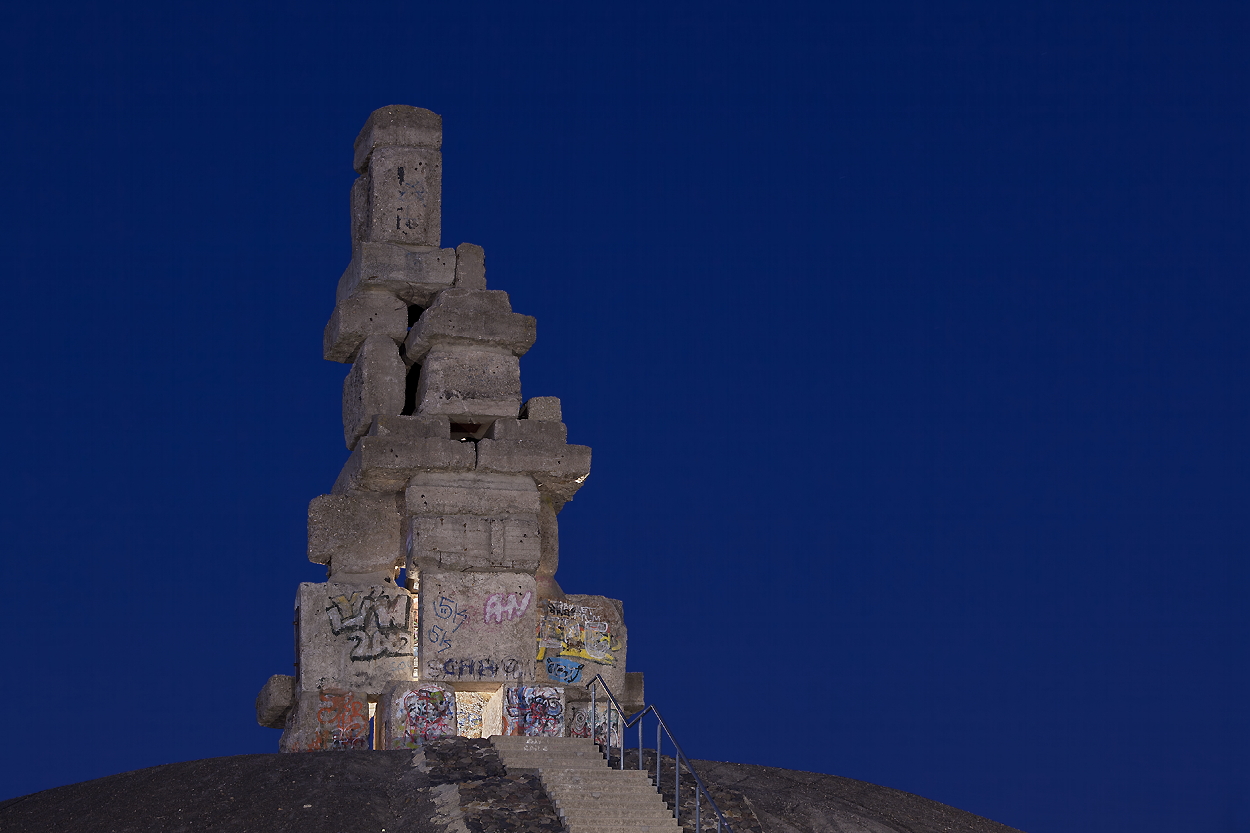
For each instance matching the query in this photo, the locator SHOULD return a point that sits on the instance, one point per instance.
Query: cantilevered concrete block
(559, 470)
(467, 542)
(475, 318)
(375, 385)
(470, 386)
(413, 276)
(542, 408)
(421, 427)
(327, 720)
(470, 266)
(476, 627)
(472, 493)
(359, 316)
(405, 196)
(359, 536)
(397, 125)
(385, 463)
(580, 637)
(412, 713)
(535, 432)
(275, 700)
(354, 637)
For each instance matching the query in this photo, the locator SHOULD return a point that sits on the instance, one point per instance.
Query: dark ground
(355, 792)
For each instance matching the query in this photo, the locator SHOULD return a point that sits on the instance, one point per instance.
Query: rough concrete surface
(333, 792)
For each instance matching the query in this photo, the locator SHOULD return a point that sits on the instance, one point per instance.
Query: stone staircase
(590, 797)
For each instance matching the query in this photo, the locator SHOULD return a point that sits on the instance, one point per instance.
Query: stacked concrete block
(476, 628)
(412, 713)
(440, 534)
(471, 521)
(327, 719)
(580, 637)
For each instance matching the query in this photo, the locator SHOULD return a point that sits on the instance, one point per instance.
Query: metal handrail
(679, 757)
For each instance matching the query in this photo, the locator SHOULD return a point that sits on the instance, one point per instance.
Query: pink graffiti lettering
(501, 607)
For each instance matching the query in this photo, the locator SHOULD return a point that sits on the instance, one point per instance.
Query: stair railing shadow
(619, 727)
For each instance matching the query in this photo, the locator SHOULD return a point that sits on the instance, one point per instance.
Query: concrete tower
(440, 614)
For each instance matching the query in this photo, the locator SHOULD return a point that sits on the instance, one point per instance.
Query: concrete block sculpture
(441, 614)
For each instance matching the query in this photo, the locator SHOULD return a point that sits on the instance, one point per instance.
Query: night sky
(910, 339)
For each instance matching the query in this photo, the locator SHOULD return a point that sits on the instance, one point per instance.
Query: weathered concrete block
(471, 386)
(412, 713)
(580, 637)
(421, 427)
(386, 463)
(475, 318)
(470, 266)
(467, 542)
(329, 719)
(359, 536)
(397, 125)
(548, 552)
(405, 196)
(535, 432)
(579, 716)
(275, 700)
(542, 408)
(413, 276)
(354, 637)
(471, 493)
(476, 627)
(359, 316)
(534, 710)
(375, 385)
(559, 470)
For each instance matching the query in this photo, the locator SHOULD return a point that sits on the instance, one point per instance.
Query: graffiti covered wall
(579, 638)
(533, 711)
(476, 627)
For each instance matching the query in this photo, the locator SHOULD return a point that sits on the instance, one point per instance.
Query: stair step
(589, 796)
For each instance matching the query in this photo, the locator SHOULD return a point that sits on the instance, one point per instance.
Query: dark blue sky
(910, 338)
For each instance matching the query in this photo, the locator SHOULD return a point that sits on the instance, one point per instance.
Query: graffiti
(378, 624)
(504, 607)
(533, 711)
(564, 670)
(453, 617)
(342, 722)
(579, 724)
(574, 631)
(446, 608)
(470, 668)
(424, 713)
(469, 706)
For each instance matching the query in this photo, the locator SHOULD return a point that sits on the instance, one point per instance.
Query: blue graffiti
(564, 670)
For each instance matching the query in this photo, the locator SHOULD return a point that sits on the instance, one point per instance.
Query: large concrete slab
(386, 462)
(458, 543)
(412, 713)
(328, 719)
(405, 196)
(414, 276)
(580, 637)
(534, 710)
(358, 638)
(477, 318)
(469, 385)
(476, 627)
(359, 316)
(359, 536)
(397, 125)
(559, 470)
(375, 385)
